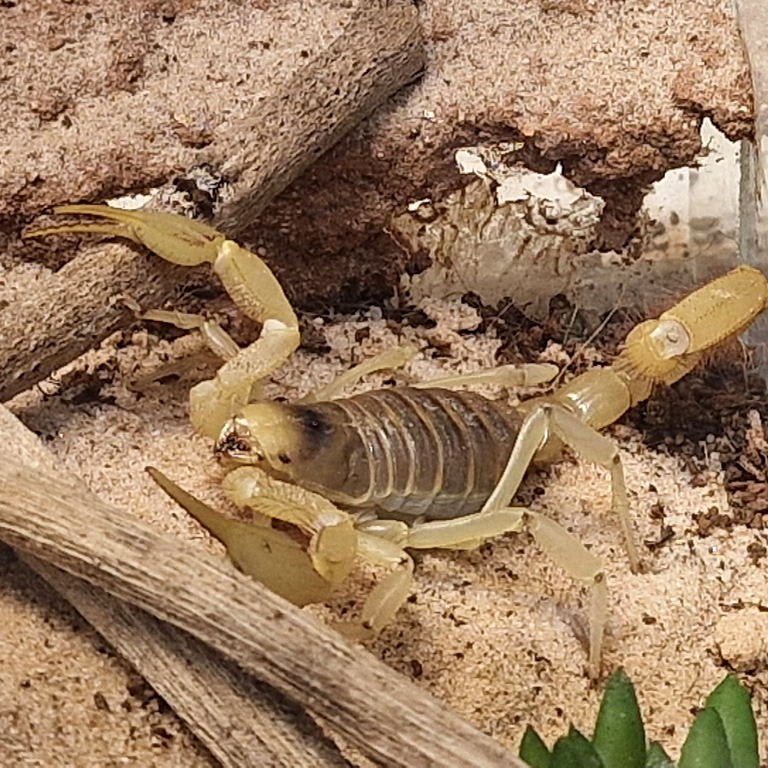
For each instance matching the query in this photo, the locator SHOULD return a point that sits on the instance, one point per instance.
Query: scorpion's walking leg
(215, 337)
(389, 359)
(563, 547)
(515, 375)
(388, 596)
(246, 278)
(512, 375)
(548, 420)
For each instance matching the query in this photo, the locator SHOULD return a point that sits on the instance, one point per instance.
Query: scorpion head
(287, 441)
(261, 434)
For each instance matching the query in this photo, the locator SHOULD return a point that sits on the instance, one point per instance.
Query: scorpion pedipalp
(246, 277)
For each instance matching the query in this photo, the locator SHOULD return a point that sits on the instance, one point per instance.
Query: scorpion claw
(174, 238)
(244, 275)
(265, 553)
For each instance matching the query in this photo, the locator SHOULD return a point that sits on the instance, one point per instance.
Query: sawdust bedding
(497, 633)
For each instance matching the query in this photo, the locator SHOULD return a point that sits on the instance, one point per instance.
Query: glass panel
(753, 21)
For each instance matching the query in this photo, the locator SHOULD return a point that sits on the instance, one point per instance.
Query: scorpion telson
(383, 472)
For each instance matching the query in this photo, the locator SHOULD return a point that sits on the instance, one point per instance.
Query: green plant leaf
(656, 757)
(731, 700)
(575, 751)
(619, 733)
(706, 745)
(534, 751)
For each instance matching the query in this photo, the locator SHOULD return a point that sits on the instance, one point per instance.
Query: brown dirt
(615, 92)
(64, 697)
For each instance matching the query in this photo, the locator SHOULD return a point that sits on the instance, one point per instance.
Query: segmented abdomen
(431, 452)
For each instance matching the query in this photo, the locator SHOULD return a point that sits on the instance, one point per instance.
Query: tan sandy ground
(495, 633)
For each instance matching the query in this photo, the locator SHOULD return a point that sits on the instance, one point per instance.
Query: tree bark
(74, 309)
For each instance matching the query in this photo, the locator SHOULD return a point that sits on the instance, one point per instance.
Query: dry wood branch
(51, 516)
(235, 716)
(75, 308)
(229, 711)
(377, 52)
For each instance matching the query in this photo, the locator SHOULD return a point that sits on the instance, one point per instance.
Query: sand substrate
(496, 633)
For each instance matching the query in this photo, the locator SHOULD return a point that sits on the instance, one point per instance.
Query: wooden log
(53, 517)
(378, 53)
(74, 309)
(230, 712)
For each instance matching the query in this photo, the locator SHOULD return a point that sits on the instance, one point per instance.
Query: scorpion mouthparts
(235, 443)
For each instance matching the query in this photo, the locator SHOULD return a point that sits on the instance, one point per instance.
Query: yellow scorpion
(382, 472)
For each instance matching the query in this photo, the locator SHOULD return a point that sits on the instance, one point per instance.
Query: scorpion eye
(284, 457)
(313, 420)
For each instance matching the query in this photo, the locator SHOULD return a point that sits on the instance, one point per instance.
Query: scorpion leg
(380, 542)
(247, 279)
(514, 375)
(562, 547)
(395, 357)
(215, 337)
(388, 596)
(551, 419)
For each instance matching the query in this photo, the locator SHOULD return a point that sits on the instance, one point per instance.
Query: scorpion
(416, 467)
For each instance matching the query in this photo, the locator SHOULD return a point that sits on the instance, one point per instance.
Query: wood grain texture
(51, 516)
(74, 309)
(379, 51)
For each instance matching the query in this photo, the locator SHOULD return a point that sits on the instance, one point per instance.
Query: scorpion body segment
(405, 452)
(377, 474)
